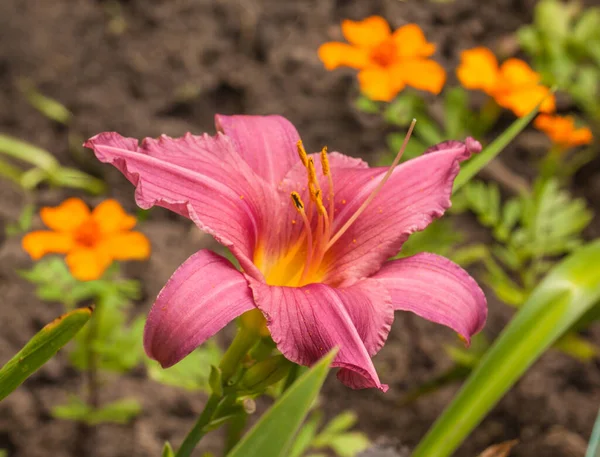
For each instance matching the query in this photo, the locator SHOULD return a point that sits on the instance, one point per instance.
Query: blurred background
(143, 68)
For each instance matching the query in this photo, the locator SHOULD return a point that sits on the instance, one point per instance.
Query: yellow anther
(302, 153)
(312, 172)
(319, 203)
(297, 201)
(324, 161)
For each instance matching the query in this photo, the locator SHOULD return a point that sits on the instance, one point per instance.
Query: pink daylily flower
(313, 235)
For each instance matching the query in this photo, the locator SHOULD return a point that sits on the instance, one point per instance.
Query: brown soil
(174, 65)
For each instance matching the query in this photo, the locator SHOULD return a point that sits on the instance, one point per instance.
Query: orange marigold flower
(387, 61)
(562, 131)
(513, 85)
(90, 239)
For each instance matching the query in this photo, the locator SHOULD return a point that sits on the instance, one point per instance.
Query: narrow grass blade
(593, 449)
(480, 160)
(27, 152)
(274, 433)
(566, 293)
(41, 348)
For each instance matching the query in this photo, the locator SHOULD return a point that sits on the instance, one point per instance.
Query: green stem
(244, 339)
(234, 431)
(196, 433)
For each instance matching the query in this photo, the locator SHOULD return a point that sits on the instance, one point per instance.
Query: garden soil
(145, 67)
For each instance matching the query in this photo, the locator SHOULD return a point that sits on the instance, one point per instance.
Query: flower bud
(264, 374)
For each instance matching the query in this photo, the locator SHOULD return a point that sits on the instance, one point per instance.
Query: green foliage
(273, 434)
(335, 435)
(564, 42)
(41, 348)
(119, 412)
(49, 107)
(168, 450)
(191, 373)
(44, 168)
(569, 291)
(23, 223)
(440, 237)
(530, 230)
(593, 449)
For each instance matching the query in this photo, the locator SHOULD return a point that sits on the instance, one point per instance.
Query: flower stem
(234, 431)
(196, 433)
(244, 340)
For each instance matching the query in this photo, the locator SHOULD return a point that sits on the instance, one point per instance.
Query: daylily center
(384, 54)
(302, 263)
(88, 233)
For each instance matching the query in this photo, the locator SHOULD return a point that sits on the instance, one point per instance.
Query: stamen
(324, 161)
(319, 203)
(327, 172)
(299, 204)
(302, 153)
(373, 194)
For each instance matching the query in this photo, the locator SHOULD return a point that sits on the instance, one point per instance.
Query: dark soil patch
(170, 69)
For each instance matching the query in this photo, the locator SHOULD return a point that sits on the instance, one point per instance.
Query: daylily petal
(366, 33)
(203, 295)
(417, 192)
(266, 143)
(126, 246)
(87, 264)
(334, 55)
(478, 69)
(38, 244)
(436, 289)
(307, 322)
(67, 216)
(424, 74)
(111, 218)
(379, 83)
(411, 42)
(199, 177)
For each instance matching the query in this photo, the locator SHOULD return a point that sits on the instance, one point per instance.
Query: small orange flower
(387, 61)
(91, 240)
(513, 85)
(562, 131)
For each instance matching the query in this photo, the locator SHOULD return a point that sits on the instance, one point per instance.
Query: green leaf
(349, 444)
(191, 373)
(456, 112)
(273, 434)
(366, 105)
(473, 166)
(41, 348)
(306, 435)
(118, 412)
(45, 105)
(564, 295)
(593, 449)
(27, 152)
(167, 450)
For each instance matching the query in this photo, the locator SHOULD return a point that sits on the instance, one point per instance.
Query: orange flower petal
(516, 72)
(522, 101)
(111, 218)
(126, 246)
(379, 84)
(366, 33)
(334, 55)
(410, 42)
(88, 264)
(424, 74)
(478, 69)
(67, 216)
(38, 244)
(562, 131)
